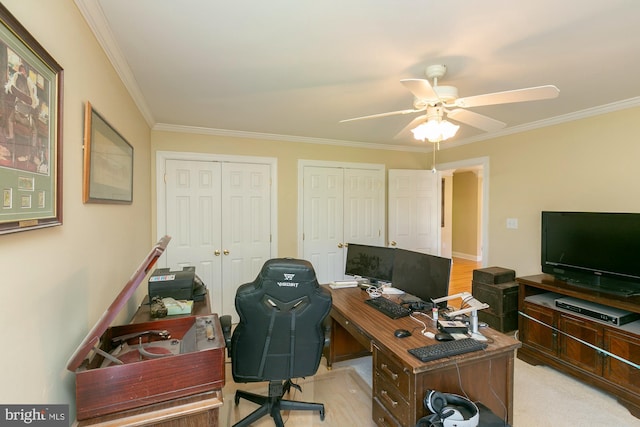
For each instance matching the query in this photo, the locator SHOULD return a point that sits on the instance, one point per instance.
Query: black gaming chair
(280, 335)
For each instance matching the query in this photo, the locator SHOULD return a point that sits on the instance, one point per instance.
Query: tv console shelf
(556, 347)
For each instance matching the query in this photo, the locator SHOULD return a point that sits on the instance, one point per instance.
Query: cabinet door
(536, 335)
(627, 347)
(575, 352)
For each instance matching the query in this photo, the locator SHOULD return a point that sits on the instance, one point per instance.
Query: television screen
(594, 249)
(371, 262)
(421, 275)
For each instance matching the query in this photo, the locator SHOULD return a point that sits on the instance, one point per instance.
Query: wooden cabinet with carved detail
(597, 352)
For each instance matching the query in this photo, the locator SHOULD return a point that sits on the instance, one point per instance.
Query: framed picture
(108, 162)
(30, 131)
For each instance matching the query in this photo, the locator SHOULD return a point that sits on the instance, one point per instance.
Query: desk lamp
(474, 306)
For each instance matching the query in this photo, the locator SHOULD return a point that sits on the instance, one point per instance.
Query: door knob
(226, 252)
(340, 245)
(393, 243)
(216, 252)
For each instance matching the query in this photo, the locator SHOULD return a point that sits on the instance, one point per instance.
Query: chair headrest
(286, 273)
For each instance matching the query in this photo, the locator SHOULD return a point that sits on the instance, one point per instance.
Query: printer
(180, 284)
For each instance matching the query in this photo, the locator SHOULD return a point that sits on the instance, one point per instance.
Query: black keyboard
(389, 308)
(447, 348)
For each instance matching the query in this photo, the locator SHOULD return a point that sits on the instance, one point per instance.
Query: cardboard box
(502, 297)
(121, 376)
(493, 275)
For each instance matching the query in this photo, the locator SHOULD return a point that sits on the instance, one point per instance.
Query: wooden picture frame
(30, 131)
(108, 162)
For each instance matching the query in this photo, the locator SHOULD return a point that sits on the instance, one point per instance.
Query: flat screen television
(374, 263)
(595, 250)
(421, 275)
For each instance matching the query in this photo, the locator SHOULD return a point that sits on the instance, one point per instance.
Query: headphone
(449, 410)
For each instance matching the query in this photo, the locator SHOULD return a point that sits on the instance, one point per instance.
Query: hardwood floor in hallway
(462, 275)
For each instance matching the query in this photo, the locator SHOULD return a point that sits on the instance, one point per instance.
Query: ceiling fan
(437, 100)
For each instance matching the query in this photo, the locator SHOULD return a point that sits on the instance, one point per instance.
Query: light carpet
(346, 396)
(543, 397)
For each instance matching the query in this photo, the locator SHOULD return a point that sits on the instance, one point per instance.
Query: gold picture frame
(30, 131)
(108, 162)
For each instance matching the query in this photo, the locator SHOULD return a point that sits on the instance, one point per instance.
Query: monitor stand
(473, 322)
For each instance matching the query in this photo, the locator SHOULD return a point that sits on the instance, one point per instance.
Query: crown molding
(166, 127)
(94, 16)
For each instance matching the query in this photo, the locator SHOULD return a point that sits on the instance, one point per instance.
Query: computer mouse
(402, 333)
(443, 336)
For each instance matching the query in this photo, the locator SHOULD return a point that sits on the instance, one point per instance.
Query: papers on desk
(339, 284)
(177, 306)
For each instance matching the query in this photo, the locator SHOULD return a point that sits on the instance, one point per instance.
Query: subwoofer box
(504, 323)
(502, 297)
(493, 275)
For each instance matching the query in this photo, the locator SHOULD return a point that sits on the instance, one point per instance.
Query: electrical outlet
(512, 223)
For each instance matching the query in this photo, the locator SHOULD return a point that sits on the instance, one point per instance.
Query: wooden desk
(400, 381)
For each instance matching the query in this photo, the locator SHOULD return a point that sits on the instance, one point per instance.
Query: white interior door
(414, 210)
(221, 219)
(193, 219)
(363, 207)
(323, 215)
(340, 205)
(246, 232)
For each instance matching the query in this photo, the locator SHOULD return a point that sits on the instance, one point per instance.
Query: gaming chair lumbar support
(280, 335)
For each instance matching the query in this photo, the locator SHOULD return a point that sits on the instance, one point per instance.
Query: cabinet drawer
(391, 371)
(391, 399)
(355, 332)
(382, 417)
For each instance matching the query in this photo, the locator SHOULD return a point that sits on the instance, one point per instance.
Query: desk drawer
(391, 399)
(391, 371)
(382, 417)
(353, 330)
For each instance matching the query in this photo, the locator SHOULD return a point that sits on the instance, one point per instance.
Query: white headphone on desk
(449, 410)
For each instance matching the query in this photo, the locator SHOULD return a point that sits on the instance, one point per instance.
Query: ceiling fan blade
(390, 113)
(421, 89)
(509, 96)
(476, 120)
(405, 132)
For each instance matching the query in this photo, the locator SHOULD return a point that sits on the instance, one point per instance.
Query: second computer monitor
(421, 275)
(371, 262)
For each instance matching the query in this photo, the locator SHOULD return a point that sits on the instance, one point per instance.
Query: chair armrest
(225, 323)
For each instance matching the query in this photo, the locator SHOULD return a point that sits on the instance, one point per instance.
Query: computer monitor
(421, 275)
(370, 262)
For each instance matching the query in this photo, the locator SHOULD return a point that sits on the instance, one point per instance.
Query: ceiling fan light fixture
(435, 130)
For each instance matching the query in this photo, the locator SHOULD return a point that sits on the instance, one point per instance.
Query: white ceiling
(292, 69)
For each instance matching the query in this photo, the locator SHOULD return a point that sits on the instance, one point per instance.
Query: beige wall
(287, 155)
(589, 165)
(465, 234)
(57, 282)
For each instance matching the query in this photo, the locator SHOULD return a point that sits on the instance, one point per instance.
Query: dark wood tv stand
(556, 347)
